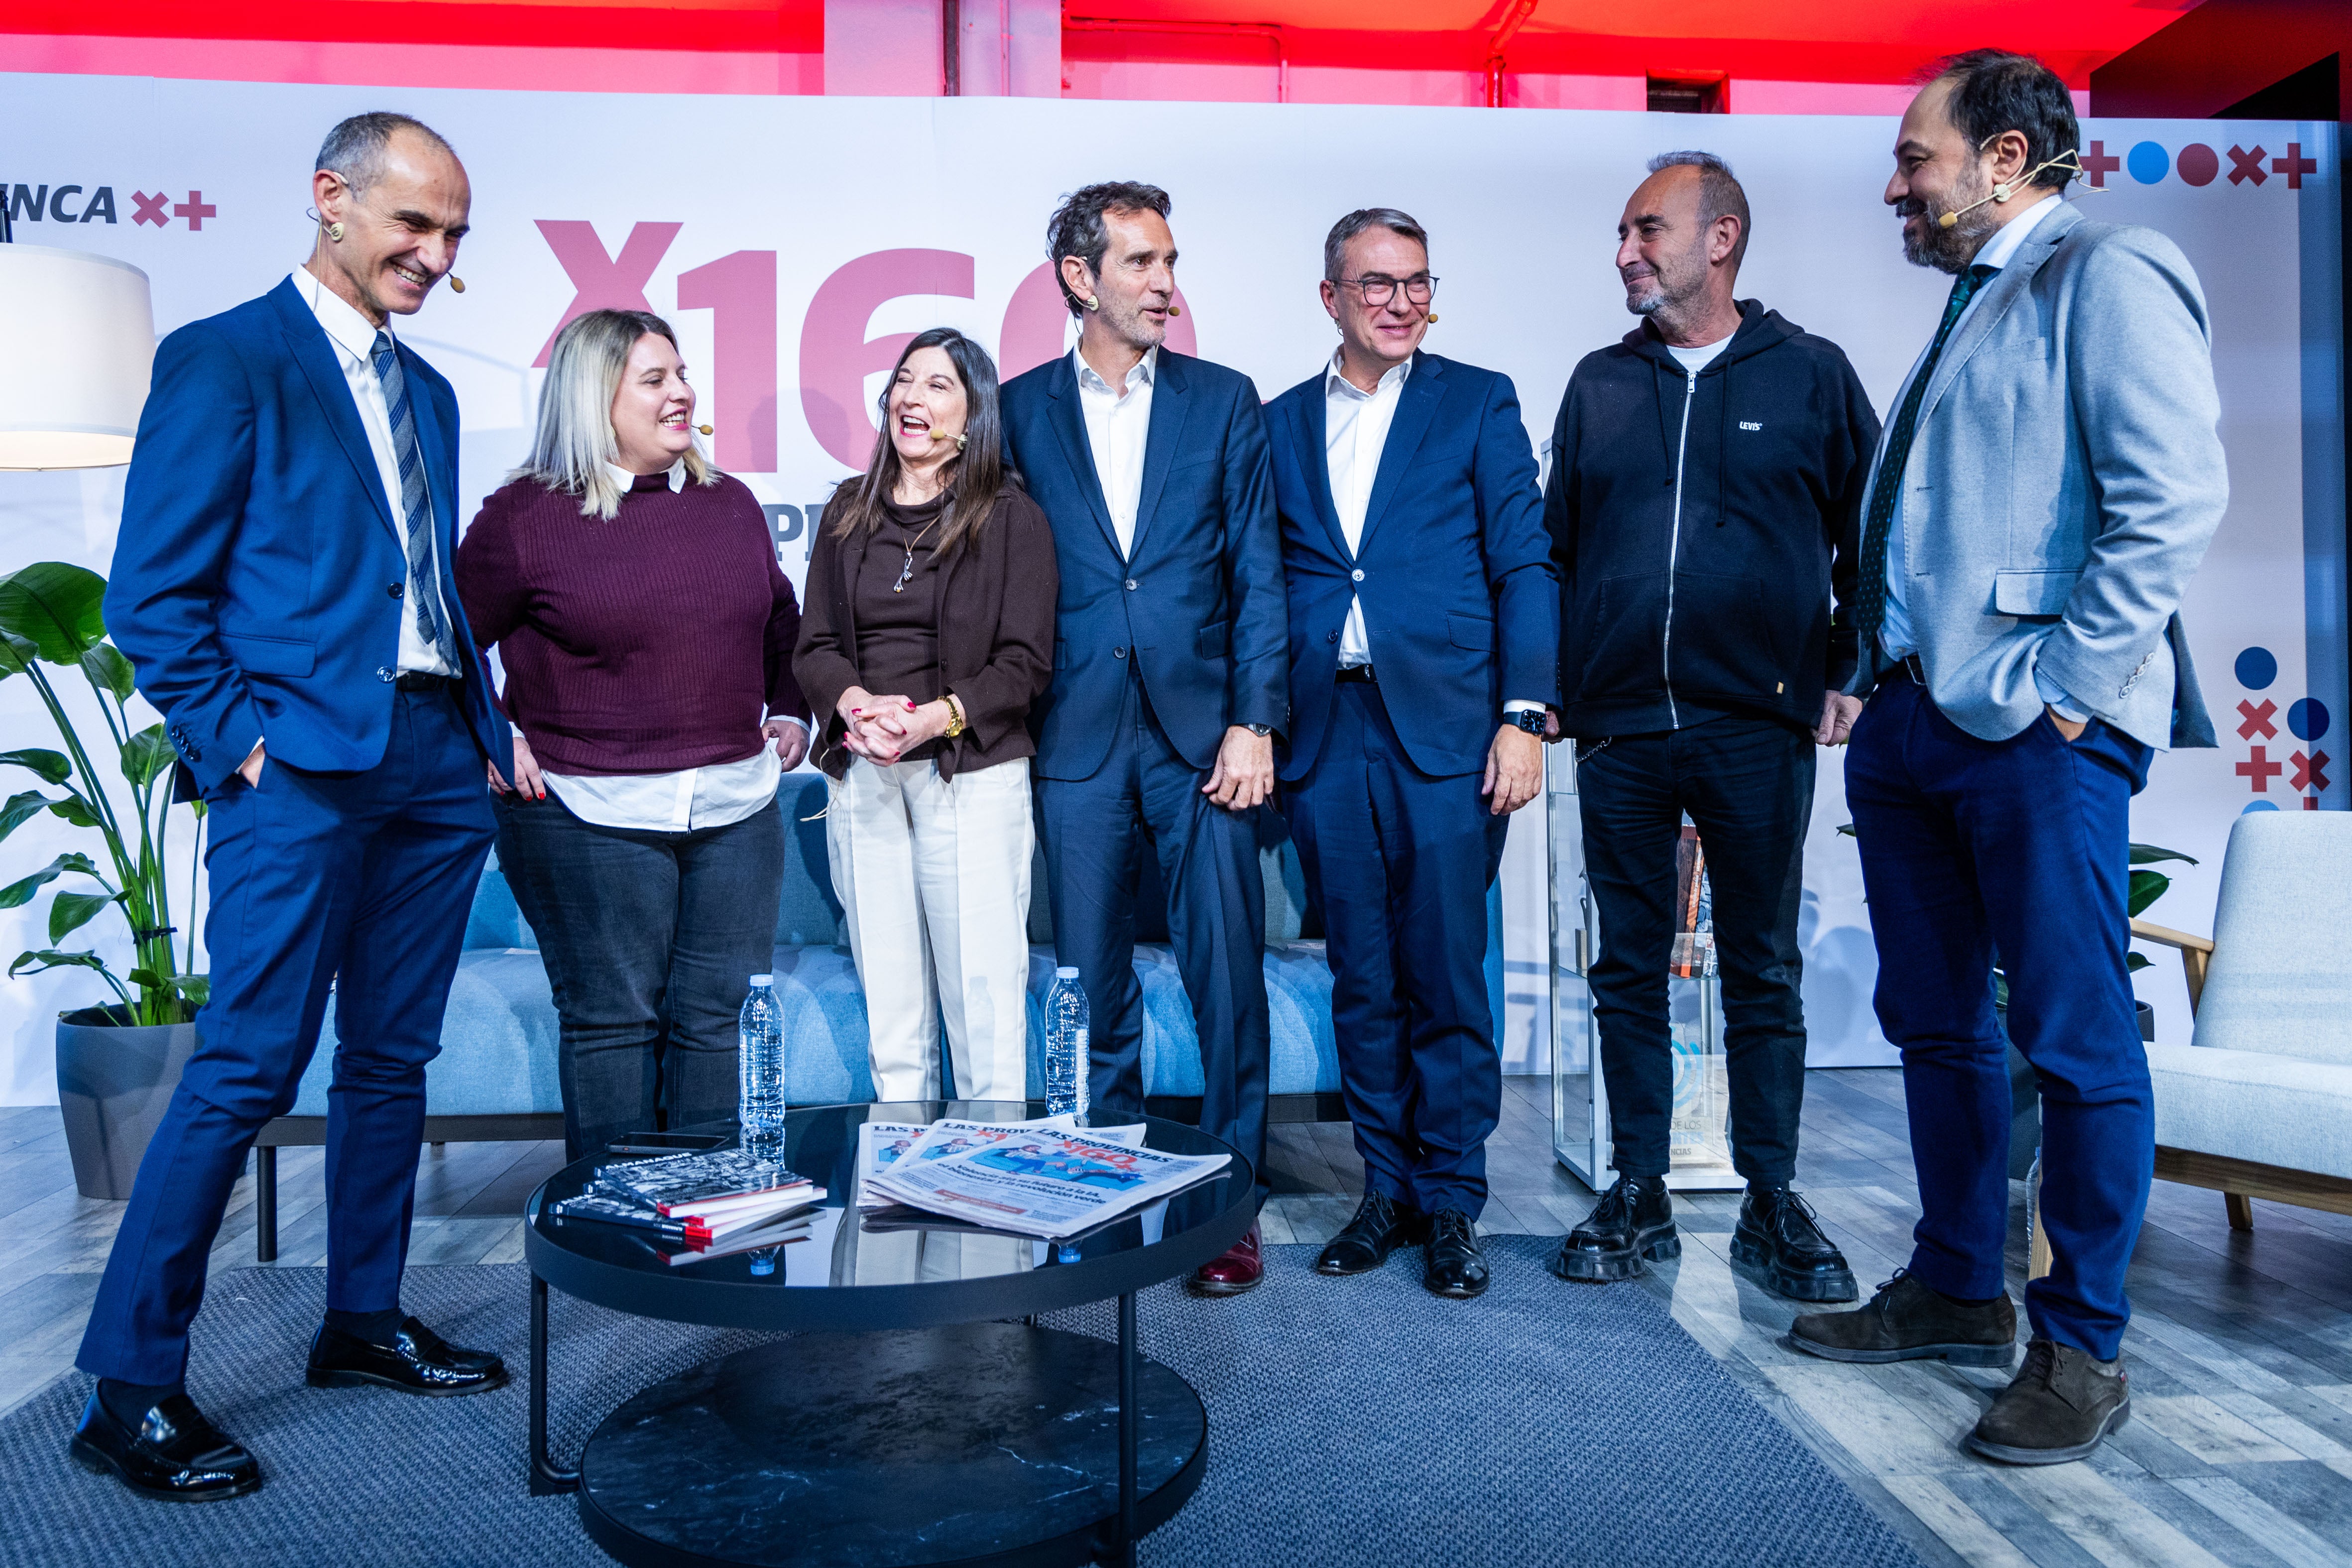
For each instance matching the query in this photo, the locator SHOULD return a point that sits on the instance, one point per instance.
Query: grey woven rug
(1350, 1421)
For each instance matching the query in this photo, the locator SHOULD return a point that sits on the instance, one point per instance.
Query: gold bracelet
(956, 725)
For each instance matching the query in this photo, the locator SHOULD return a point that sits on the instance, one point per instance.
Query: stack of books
(687, 1207)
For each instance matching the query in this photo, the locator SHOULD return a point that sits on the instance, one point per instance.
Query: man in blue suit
(282, 586)
(1157, 734)
(1424, 634)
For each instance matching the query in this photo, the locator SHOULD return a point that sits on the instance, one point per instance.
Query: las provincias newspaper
(881, 1144)
(1048, 1182)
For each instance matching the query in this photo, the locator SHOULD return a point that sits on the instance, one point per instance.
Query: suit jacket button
(394, 590)
(1331, 636)
(1119, 653)
(1358, 574)
(1131, 584)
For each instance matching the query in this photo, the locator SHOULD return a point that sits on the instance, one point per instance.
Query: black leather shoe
(1634, 1220)
(1905, 1320)
(1455, 1268)
(176, 1455)
(417, 1361)
(1780, 1245)
(2061, 1405)
(1379, 1228)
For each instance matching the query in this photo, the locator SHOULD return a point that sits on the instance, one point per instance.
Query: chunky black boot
(1780, 1245)
(2061, 1405)
(1905, 1320)
(1634, 1220)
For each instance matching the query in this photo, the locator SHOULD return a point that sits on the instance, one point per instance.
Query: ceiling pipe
(1269, 31)
(1512, 22)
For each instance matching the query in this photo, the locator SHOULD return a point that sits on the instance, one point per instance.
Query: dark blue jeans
(2011, 852)
(360, 880)
(650, 942)
(1401, 861)
(1748, 784)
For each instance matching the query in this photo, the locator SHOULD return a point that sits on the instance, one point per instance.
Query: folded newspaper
(882, 1144)
(1043, 1181)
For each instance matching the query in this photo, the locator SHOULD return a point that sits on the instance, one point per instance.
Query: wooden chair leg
(2241, 1210)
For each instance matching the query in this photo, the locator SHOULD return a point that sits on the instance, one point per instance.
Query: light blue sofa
(495, 1075)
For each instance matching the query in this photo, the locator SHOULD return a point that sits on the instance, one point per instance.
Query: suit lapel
(1170, 402)
(1070, 422)
(306, 342)
(1416, 406)
(1314, 416)
(433, 447)
(2000, 294)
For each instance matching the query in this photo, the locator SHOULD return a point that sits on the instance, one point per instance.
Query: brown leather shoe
(2061, 1405)
(1238, 1269)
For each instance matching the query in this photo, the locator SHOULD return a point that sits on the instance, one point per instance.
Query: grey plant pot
(113, 1081)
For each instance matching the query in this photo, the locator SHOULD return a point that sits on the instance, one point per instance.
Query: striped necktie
(1870, 593)
(416, 499)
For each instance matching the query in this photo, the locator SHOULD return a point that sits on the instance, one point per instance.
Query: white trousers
(933, 878)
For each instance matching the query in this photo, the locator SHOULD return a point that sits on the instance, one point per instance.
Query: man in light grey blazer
(2039, 500)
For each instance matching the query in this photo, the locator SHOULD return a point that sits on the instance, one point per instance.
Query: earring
(334, 231)
(1091, 303)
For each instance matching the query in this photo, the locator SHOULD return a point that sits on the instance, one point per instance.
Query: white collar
(1335, 376)
(2012, 235)
(349, 330)
(628, 480)
(1143, 373)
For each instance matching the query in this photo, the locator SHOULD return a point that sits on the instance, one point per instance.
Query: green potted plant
(117, 1060)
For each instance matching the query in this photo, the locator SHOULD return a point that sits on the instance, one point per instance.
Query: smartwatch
(1260, 730)
(1531, 720)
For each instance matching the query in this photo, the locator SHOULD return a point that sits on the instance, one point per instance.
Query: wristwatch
(1531, 720)
(956, 725)
(1260, 730)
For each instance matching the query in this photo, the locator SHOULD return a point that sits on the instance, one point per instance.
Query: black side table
(968, 1435)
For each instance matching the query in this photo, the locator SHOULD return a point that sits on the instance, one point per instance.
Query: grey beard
(1648, 304)
(1951, 249)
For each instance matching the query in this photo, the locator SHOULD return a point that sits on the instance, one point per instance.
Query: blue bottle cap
(763, 980)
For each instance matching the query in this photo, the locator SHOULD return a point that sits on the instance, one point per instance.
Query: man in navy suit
(1424, 631)
(1157, 734)
(282, 586)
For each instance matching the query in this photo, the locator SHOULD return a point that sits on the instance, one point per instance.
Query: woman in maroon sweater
(647, 631)
(929, 633)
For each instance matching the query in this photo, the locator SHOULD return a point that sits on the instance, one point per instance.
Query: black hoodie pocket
(1723, 640)
(1620, 654)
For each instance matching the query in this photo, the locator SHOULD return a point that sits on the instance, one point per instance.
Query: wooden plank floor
(2239, 1453)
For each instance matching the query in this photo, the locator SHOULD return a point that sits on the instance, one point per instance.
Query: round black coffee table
(969, 1435)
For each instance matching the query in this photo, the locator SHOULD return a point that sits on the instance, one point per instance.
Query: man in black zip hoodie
(1706, 477)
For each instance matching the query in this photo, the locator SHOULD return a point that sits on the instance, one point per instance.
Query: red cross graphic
(2098, 164)
(2257, 721)
(604, 282)
(2245, 165)
(2308, 772)
(195, 209)
(2260, 769)
(2294, 165)
(151, 209)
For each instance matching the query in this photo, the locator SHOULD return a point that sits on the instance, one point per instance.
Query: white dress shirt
(1895, 628)
(1355, 432)
(354, 342)
(1118, 423)
(709, 796)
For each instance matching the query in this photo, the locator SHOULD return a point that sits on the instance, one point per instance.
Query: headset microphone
(1174, 308)
(457, 283)
(2067, 161)
(705, 429)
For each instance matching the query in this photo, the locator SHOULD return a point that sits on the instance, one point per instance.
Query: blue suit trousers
(359, 880)
(1147, 798)
(1977, 853)
(1403, 860)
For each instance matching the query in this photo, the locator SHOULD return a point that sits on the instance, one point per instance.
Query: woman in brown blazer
(929, 632)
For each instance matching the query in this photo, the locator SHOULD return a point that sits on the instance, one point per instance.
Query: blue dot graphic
(2261, 805)
(2148, 162)
(2307, 718)
(2256, 668)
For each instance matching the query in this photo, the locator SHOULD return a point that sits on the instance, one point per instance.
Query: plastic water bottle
(1067, 1046)
(760, 1064)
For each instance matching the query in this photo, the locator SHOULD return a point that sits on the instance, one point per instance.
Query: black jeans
(1749, 785)
(650, 941)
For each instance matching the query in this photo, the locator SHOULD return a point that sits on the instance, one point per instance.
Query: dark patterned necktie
(416, 499)
(1870, 591)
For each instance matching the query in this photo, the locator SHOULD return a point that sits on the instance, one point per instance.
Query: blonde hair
(574, 440)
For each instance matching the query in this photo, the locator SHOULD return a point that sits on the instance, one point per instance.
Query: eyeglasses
(1378, 290)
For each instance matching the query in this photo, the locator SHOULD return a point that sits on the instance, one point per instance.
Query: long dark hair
(975, 476)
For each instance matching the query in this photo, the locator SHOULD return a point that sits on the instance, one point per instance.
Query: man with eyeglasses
(1424, 620)
(1706, 478)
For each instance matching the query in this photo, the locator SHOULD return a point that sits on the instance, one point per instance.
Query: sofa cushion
(497, 1043)
(2255, 1105)
(2281, 981)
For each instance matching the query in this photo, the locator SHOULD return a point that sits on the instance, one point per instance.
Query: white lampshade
(80, 337)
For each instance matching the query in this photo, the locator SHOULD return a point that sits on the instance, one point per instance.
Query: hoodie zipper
(1674, 549)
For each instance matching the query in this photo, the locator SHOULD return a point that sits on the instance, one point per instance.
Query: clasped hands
(884, 729)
